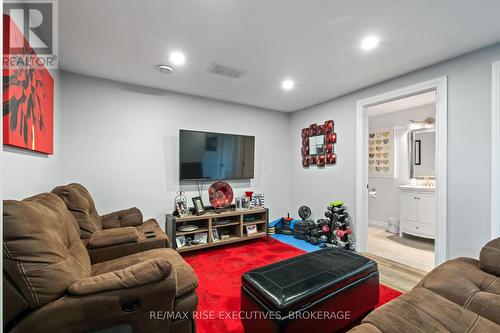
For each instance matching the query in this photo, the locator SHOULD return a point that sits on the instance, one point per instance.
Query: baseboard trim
(377, 223)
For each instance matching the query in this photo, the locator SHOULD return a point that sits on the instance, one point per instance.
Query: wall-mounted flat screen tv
(206, 155)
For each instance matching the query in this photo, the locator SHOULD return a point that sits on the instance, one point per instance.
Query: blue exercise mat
(298, 243)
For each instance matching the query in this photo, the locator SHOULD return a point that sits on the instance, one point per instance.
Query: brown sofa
(49, 284)
(461, 295)
(112, 235)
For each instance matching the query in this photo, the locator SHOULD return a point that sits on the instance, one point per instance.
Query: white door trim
(440, 85)
(495, 149)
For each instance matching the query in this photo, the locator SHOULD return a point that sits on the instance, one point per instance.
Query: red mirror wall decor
(318, 144)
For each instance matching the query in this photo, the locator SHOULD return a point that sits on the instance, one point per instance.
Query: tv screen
(204, 155)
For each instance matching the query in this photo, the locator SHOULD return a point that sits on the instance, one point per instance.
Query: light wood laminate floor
(395, 275)
(411, 251)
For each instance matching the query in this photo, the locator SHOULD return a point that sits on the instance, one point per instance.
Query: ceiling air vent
(225, 71)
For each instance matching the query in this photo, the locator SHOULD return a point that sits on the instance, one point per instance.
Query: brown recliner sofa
(461, 295)
(49, 284)
(112, 235)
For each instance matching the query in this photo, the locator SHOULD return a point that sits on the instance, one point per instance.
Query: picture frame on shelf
(182, 209)
(180, 241)
(201, 237)
(199, 207)
(215, 234)
(251, 229)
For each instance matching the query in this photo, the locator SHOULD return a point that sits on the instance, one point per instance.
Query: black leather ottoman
(322, 291)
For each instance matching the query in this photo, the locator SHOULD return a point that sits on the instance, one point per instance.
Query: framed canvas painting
(28, 98)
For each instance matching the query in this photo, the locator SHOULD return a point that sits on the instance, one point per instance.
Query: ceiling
(315, 42)
(404, 103)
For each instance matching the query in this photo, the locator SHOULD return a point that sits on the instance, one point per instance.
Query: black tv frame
(212, 179)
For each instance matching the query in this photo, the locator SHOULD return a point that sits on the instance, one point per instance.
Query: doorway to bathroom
(401, 179)
(401, 175)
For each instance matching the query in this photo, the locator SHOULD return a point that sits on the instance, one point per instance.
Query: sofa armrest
(106, 310)
(489, 258)
(131, 217)
(131, 277)
(110, 237)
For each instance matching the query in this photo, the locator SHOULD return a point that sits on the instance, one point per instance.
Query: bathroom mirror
(422, 152)
(317, 145)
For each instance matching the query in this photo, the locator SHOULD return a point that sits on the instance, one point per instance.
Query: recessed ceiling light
(165, 69)
(369, 43)
(287, 84)
(177, 58)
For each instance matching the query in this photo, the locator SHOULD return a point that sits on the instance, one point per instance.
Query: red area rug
(219, 272)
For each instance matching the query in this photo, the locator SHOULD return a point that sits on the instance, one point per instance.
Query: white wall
(27, 173)
(469, 180)
(386, 204)
(121, 142)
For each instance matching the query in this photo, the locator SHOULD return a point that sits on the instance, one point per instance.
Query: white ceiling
(315, 42)
(403, 103)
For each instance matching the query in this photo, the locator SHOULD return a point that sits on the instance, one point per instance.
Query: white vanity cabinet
(417, 211)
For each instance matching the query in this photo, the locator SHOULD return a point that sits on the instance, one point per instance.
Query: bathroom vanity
(417, 211)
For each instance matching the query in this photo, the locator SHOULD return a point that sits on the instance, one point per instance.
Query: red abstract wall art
(324, 139)
(28, 99)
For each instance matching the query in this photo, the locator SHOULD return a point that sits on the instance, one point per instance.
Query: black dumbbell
(314, 240)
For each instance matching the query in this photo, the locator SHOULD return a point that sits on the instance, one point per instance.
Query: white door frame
(440, 85)
(495, 149)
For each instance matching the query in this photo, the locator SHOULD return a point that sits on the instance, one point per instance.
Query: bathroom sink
(417, 188)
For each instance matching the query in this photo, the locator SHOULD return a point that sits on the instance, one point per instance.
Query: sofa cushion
(144, 243)
(421, 310)
(43, 253)
(14, 302)
(489, 259)
(464, 283)
(133, 276)
(131, 217)
(186, 278)
(110, 237)
(149, 225)
(122, 310)
(80, 203)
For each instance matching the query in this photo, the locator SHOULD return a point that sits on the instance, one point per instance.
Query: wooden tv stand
(235, 228)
